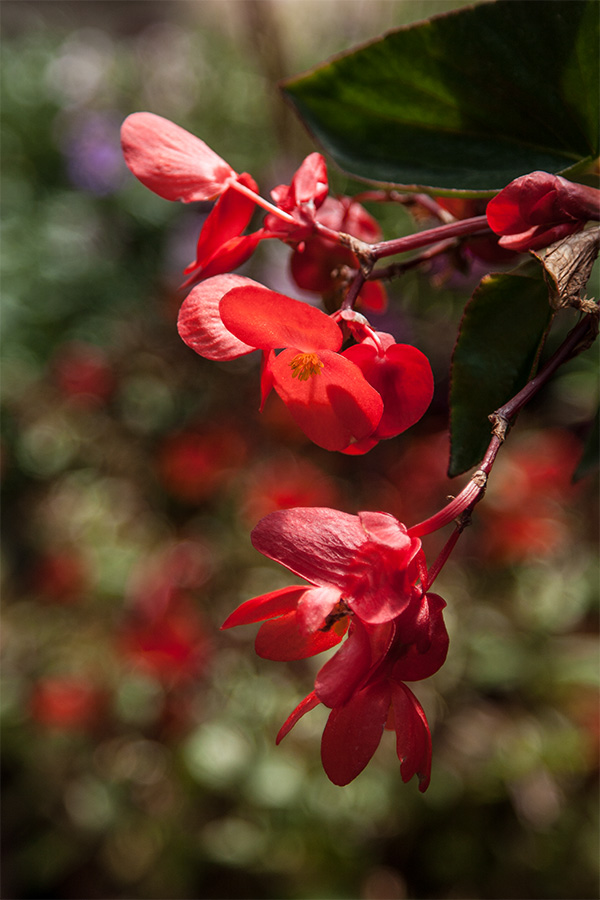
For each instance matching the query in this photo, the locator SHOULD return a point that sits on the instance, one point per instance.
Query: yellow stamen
(305, 365)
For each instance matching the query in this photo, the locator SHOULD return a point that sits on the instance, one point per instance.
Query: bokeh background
(138, 740)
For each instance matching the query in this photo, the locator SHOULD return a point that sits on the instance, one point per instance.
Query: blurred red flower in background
(83, 373)
(68, 703)
(193, 465)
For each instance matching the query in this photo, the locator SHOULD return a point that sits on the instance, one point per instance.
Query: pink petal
(353, 732)
(334, 406)
(413, 739)
(305, 706)
(275, 603)
(317, 543)
(170, 161)
(271, 321)
(200, 325)
(314, 607)
(281, 640)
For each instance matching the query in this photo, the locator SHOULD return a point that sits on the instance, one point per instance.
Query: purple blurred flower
(92, 149)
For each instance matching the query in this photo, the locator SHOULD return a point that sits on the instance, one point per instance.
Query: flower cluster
(368, 585)
(345, 399)
(347, 386)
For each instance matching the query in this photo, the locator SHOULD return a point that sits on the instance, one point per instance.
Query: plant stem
(579, 338)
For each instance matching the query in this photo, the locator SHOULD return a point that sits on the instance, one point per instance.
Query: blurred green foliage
(138, 741)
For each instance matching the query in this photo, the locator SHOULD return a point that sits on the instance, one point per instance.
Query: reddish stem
(578, 339)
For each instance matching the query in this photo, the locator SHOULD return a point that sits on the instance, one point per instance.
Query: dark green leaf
(500, 335)
(467, 101)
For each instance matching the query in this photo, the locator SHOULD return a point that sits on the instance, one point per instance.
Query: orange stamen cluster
(305, 365)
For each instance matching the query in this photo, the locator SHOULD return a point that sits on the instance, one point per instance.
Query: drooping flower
(228, 316)
(537, 209)
(351, 560)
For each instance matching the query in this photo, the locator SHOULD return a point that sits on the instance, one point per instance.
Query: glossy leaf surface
(467, 101)
(500, 335)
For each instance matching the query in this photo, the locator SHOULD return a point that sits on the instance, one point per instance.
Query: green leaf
(501, 333)
(466, 101)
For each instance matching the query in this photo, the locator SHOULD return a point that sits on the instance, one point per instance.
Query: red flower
(363, 683)
(228, 316)
(172, 162)
(537, 209)
(315, 260)
(300, 199)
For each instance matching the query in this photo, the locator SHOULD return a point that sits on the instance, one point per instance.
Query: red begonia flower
(221, 245)
(172, 162)
(307, 189)
(316, 258)
(327, 395)
(363, 684)
(228, 316)
(368, 558)
(537, 209)
(401, 375)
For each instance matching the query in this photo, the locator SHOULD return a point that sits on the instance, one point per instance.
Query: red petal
(200, 325)
(170, 161)
(281, 640)
(275, 603)
(317, 543)
(402, 377)
(270, 321)
(413, 739)
(341, 675)
(310, 181)
(221, 233)
(229, 256)
(373, 296)
(333, 407)
(305, 706)
(353, 732)
(418, 663)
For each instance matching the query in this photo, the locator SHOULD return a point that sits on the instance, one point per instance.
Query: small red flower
(537, 209)
(315, 260)
(172, 162)
(327, 395)
(301, 199)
